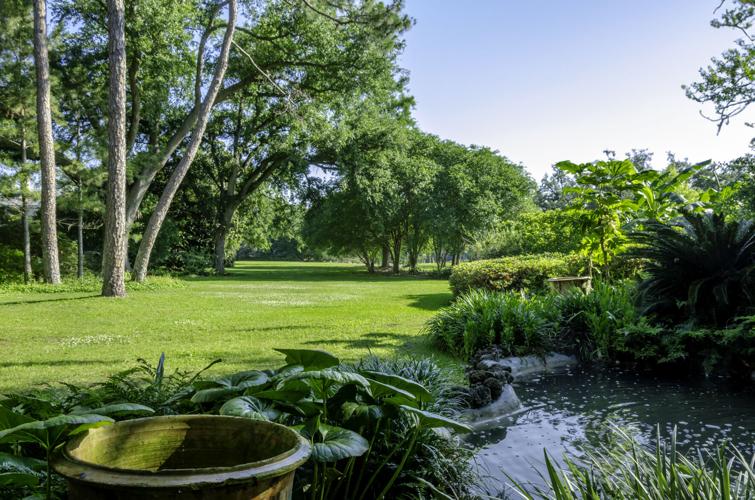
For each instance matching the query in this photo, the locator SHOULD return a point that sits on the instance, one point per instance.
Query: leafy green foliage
(371, 427)
(550, 231)
(524, 272)
(625, 468)
(727, 82)
(481, 318)
(701, 268)
(610, 194)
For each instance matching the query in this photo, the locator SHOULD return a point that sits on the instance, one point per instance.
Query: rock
(480, 396)
(489, 416)
(477, 376)
(495, 386)
(529, 365)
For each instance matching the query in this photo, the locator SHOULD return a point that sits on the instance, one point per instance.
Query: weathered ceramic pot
(186, 457)
(563, 284)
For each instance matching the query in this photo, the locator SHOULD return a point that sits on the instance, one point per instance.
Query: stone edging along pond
(490, 376)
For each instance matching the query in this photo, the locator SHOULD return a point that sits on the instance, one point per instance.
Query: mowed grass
(239, 318)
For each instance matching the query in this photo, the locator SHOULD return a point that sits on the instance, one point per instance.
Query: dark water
(562, 412)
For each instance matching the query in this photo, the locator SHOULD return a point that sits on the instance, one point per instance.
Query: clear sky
(551, 80)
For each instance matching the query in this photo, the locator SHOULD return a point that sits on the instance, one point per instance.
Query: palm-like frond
(701, 268)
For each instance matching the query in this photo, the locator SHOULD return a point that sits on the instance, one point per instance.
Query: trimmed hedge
(521, 272)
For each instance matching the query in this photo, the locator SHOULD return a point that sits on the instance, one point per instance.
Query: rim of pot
(79, 470)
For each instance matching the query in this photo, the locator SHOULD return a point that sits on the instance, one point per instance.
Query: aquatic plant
(625, 469)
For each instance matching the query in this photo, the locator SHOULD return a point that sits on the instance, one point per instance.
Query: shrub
(525, 272)
(481, 318)
(374, 425)
(533, 233)
(591, 325)
(701, 269)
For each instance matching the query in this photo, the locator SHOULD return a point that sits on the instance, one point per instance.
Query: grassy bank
(79, 337)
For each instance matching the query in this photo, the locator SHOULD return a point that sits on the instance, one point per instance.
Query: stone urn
(186, 457)
(563, 284)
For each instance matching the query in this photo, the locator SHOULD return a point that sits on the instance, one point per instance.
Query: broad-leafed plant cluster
(378, 429)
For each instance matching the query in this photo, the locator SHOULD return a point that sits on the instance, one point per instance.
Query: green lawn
(240, 318)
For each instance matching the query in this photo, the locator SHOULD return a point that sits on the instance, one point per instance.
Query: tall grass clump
(481, 318)
(625, 469)
(592, 325)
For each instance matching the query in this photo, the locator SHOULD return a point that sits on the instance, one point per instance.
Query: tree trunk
(161, 210)
(386, 257)
(46, 147)
(113, 252)
(24, 185)
(220, 236)
(27, 241)
(396, 255)
(80, 235)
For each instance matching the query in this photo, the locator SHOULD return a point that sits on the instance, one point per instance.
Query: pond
(563, 411)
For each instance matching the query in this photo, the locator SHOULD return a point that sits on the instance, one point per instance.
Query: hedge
(521, 272)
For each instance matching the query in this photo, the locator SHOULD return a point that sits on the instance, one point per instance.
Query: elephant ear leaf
(34, 430)
(310, 359)
(414, 388)
(248, 407)
(118, 410)
(18, 480)
(333, 376)
(9, 418)
(430, 420)
(336, 443)
(213, 394)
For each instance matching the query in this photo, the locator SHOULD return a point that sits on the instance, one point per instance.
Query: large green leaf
(248, 407)
(10, 419)
(432, 420)
(334, 376)
(414, 388)
(380, 390)
(18, 480)
(117, 410)
(251, 378)
(286, 372)
(10, 462)
(77, 423)
(214, 394)
(353, 409)
(334, 443)
(310, 359)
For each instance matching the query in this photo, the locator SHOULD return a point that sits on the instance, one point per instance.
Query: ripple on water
(562, 412)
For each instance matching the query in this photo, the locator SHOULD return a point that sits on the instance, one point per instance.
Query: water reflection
(561, 412)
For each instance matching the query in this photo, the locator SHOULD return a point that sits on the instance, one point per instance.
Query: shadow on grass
(430, 301)
(60, 362)
(370, 340)
(288, 271)
(59, 299)
(253, 329)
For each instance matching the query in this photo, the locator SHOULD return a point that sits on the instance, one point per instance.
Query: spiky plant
(701, 268)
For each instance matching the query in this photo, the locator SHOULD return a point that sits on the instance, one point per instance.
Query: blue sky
(551, 80)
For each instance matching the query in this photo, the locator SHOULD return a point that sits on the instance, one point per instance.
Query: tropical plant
(49, 432)
(701, 268)
(373, 426)
(364, 425)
